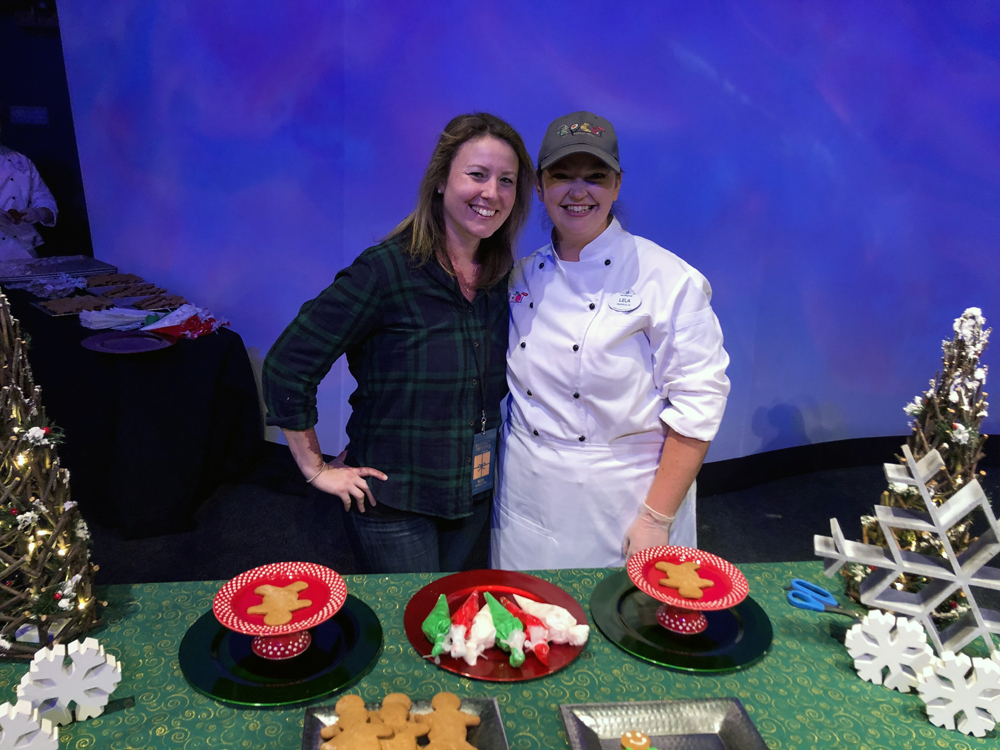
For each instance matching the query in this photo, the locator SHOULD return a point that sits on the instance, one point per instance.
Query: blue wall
(832, 167)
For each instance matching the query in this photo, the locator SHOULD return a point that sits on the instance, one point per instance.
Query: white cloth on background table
(118, 318)
(21, 188)
(586, 425)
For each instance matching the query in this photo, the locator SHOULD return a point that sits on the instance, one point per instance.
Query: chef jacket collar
(603, 247)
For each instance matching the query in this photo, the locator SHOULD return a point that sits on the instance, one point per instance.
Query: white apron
(606, 356)
(565, 504)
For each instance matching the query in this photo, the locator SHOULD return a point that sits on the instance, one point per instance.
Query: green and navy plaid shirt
(412, 342)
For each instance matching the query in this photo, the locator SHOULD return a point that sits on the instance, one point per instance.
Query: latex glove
(649, 529)
(38, 216)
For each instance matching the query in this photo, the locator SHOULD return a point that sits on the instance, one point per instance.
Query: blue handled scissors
(806, 595)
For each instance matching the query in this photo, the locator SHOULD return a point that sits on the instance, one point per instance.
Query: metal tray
(489, 735)
(37, 304)
(40, 268)
(712, 724)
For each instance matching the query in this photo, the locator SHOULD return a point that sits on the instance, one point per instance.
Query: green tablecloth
(802, 694)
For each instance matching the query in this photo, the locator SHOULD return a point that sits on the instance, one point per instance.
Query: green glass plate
(218, 662)
(735, 638)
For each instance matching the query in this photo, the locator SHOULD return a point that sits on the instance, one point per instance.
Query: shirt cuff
(694, 415)
(296, 423)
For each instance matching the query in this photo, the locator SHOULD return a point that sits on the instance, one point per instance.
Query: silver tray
(712, 724)
(39, 268)
(131, 302)
(489, 735)
(38, 305)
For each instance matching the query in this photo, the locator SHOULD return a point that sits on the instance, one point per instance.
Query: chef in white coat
(24, 202)
(617, 376)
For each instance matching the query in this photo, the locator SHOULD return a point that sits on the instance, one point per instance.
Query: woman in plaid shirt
(423, 320)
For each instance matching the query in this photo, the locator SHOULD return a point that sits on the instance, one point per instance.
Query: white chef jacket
(21, 187)
(605, 354)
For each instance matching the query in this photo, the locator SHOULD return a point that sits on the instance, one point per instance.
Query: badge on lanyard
(483, 460)
(625, 301)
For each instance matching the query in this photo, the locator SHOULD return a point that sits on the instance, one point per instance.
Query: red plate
(327, 592)
(494, 664)
(730, 584)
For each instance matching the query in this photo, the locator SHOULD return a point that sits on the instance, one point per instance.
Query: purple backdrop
(833, 168)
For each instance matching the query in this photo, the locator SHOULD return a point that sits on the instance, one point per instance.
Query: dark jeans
(394, 541)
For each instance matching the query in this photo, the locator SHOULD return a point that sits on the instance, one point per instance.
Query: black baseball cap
(579, 132)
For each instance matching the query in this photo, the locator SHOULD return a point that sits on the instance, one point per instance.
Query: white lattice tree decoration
(891, 647)
(22, 729)
(962, 693)
(946, 574)
(87, 680)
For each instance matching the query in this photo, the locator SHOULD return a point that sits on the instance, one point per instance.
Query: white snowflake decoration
(88, 681)
(947, 573)
(881, 642)
(962, 693)
(21, 729)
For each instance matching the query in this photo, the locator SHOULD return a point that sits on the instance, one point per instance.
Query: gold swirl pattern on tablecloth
(803, 694)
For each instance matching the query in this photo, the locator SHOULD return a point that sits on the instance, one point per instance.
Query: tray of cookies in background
(129, 290)
(104, 291)
(399, 721)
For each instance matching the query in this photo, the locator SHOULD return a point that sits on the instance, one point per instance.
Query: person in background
(24, 202)
(616, 373)
(423, 320)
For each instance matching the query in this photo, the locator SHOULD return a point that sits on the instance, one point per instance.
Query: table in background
(148, 437)
(802, 694)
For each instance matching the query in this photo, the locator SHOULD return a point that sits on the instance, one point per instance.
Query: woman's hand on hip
(347, 482)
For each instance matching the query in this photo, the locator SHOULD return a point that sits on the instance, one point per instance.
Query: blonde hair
(425, 225)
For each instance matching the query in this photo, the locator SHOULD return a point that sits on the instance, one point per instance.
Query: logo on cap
(594, 130)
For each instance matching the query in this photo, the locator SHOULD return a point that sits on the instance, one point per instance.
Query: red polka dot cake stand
(325, 591)
(680, 614)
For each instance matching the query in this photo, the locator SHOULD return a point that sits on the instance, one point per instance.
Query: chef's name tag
(625, 301)
(484, 463)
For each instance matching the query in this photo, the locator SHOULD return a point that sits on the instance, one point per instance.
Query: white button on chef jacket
(605, 354)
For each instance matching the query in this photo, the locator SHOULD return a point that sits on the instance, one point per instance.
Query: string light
(22, 459)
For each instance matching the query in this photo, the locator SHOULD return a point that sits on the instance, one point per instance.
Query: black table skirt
(148, 436)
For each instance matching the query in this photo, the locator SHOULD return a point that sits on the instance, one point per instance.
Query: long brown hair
(426, 224)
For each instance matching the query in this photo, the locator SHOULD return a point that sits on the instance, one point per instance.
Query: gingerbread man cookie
(448, 725)
(684, 578)
(356, 728)
(395, 714)
(279, 602)
(635, 741)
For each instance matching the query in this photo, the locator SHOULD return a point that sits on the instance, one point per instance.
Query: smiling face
(480, 191)
(578, 192)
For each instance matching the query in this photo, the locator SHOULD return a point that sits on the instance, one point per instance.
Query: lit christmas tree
(46, 577)
(946, 418)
